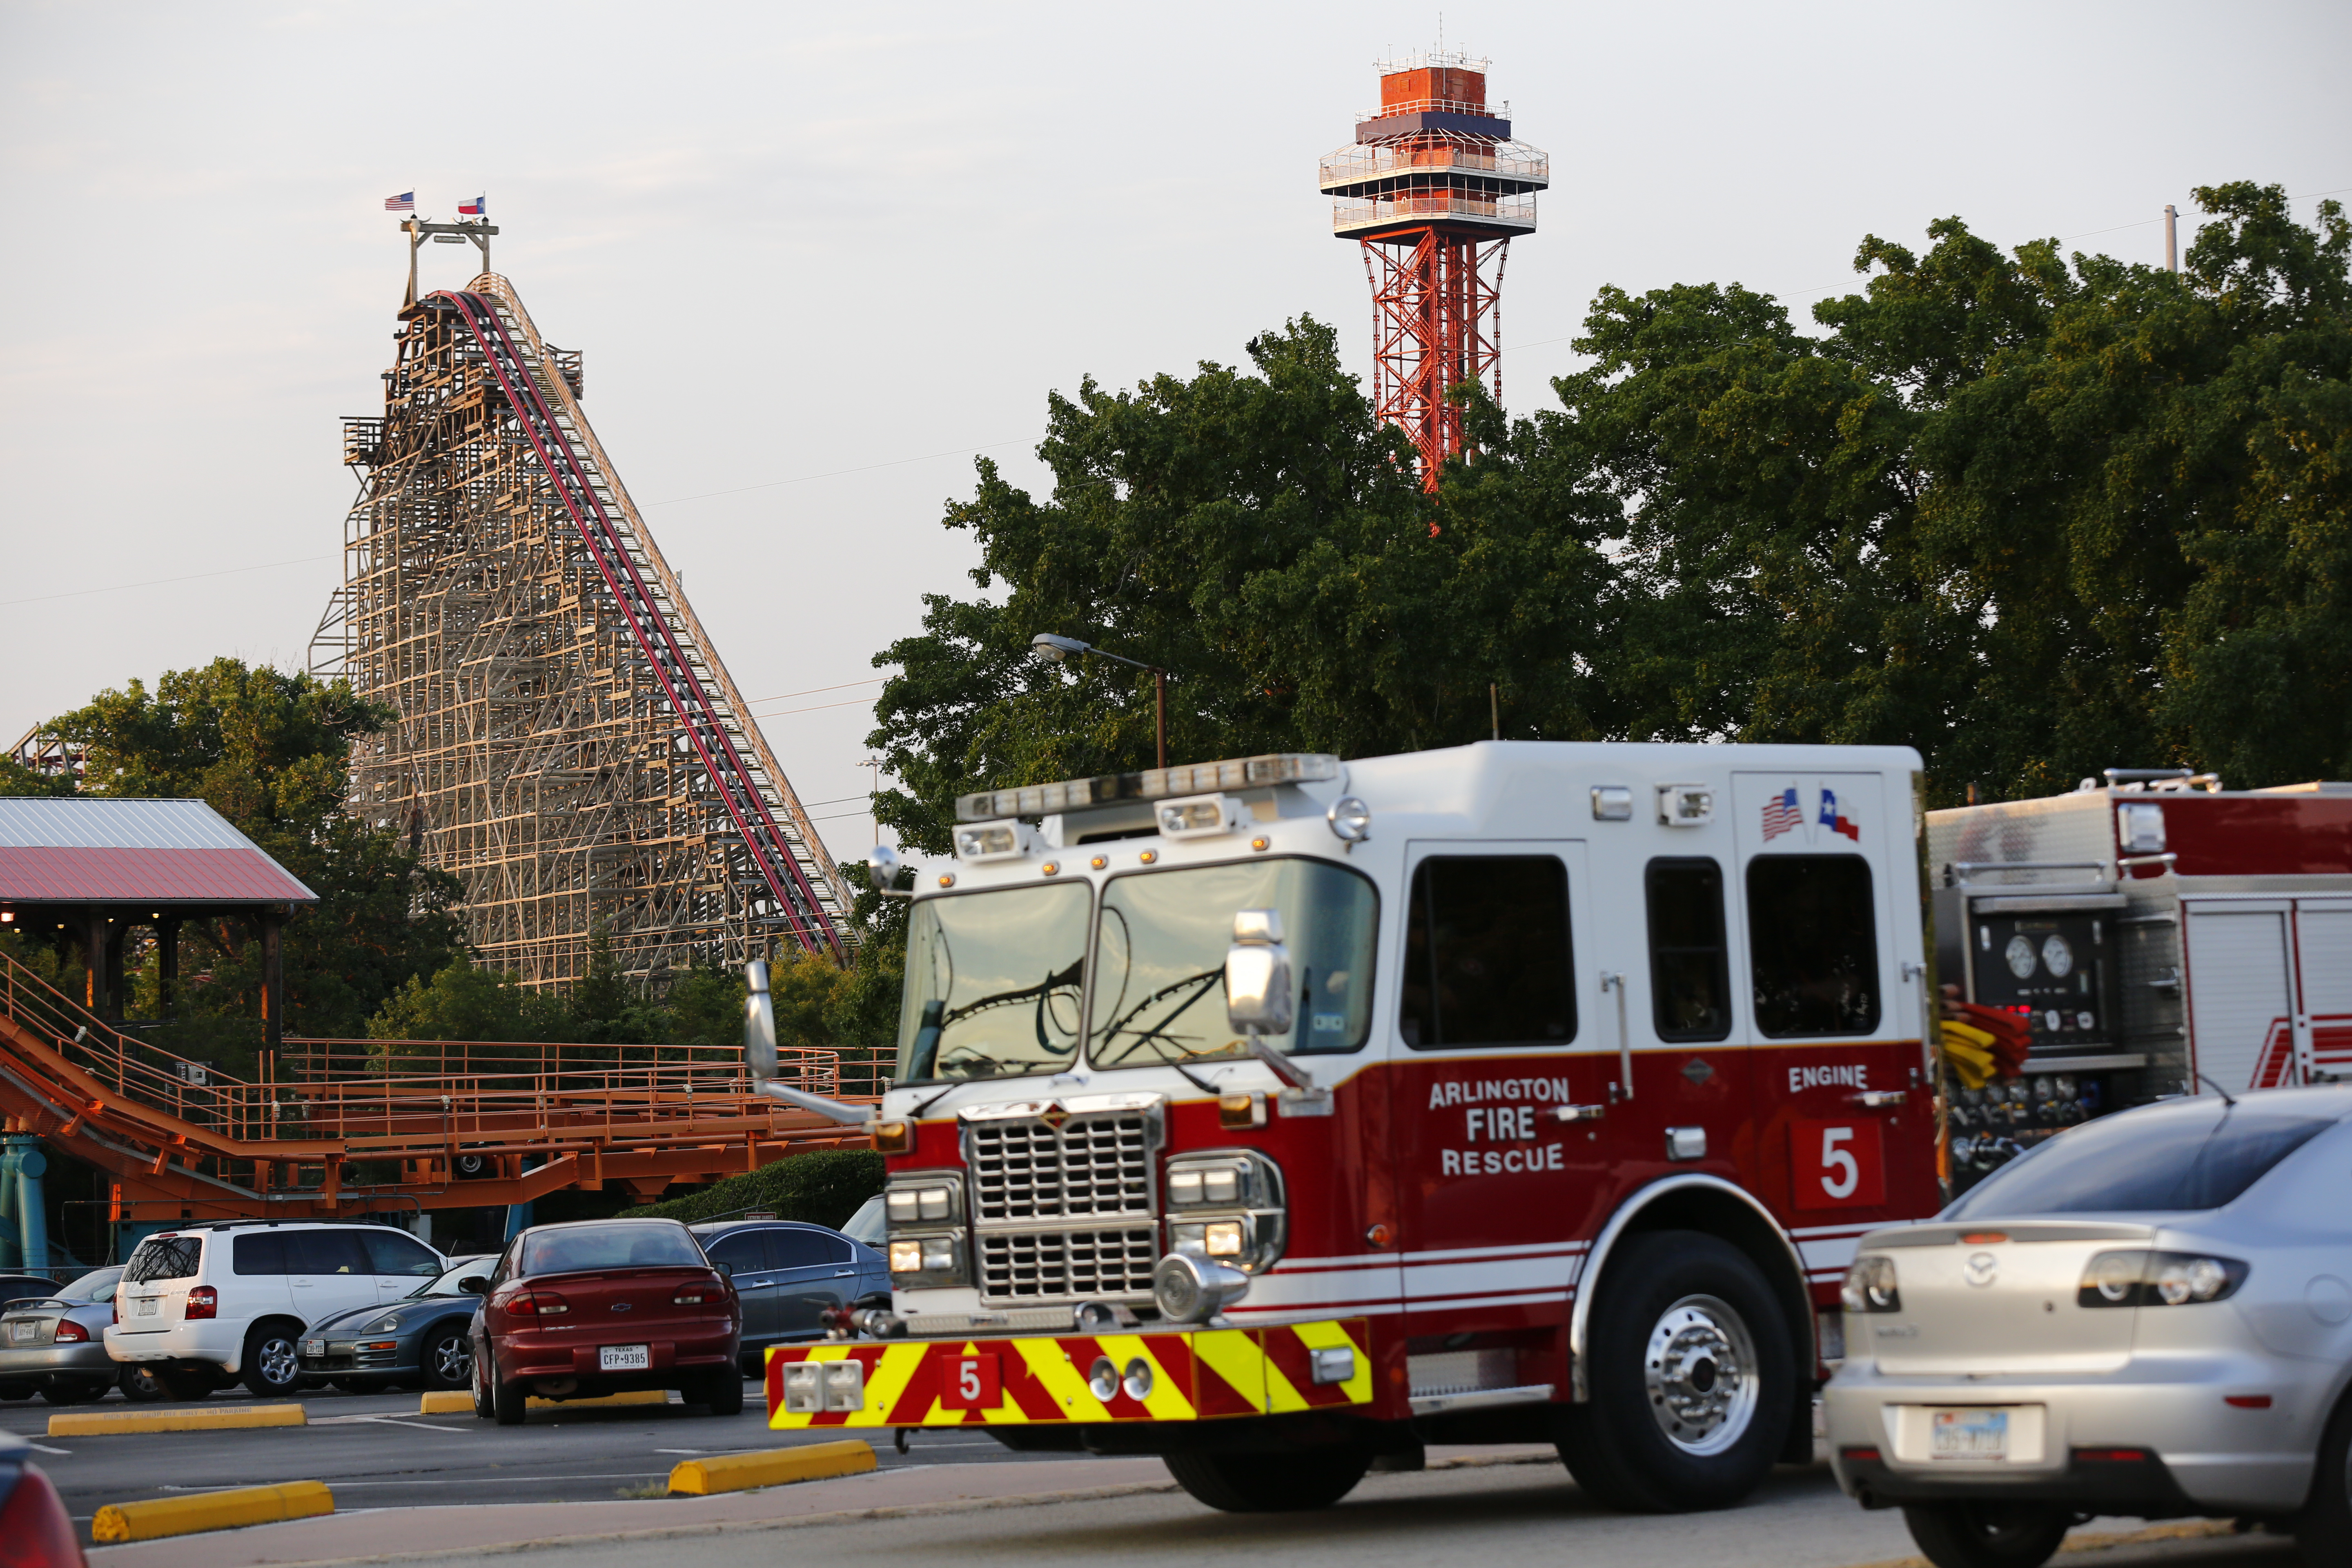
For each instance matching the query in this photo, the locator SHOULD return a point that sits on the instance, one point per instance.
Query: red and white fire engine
(1282, 1115)
(2160, 935)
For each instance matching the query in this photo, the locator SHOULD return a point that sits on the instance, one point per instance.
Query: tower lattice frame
(1434, 190)
(568, 744)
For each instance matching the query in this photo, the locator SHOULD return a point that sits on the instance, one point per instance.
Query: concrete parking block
(601, 1402)
(196, 1419)
(446, 1402)
(158, 1517)
(769, 1468)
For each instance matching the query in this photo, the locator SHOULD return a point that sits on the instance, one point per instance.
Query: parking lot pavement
(375, 1451)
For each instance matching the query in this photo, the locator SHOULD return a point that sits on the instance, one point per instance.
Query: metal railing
(1360, 212)
(1501, 110)
(1509, 159)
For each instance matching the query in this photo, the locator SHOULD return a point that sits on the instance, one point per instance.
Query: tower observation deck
(1435, 189)
(569, 744)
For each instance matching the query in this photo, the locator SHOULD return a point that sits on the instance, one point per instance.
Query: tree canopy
(2034, 514)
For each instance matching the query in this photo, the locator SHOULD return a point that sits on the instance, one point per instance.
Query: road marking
(45, 1448)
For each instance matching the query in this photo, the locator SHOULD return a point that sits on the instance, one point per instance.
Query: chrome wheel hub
(279, 1365)
(1700, 1372)
(453, 1360)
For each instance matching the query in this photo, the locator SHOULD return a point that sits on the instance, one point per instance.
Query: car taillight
(692, 1296)
(204, 1302)
(537, 1304)
(71, 1333)
(36, 1532)
(118, 1305)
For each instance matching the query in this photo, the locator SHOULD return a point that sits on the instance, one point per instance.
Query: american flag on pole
(1781, 813)
(404, 203)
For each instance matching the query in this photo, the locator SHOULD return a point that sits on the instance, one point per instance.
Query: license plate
(314, 1347)
(145, 1308)
(625, 1358)
(1968, 1435)
(23, 1333)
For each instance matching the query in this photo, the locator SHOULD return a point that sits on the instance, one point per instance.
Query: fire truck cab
(1283, 1115)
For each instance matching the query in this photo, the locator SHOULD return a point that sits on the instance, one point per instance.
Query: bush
(824, 1186)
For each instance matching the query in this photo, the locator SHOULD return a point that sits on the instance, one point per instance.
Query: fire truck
(2160, 935)
(1281, 1116)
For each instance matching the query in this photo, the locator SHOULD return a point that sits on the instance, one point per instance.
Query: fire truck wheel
(1265, 1483)
(1690, 1374)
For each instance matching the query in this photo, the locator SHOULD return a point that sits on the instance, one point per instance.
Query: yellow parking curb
(446, 1402)
(768, 1468)
(90, 1424)
(122, 1521)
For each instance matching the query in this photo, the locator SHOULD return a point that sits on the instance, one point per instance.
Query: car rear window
(574, 1249)
(164, 1258)
(2198, 1158)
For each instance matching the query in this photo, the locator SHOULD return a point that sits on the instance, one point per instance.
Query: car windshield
(447, 1284)
(575, 1248)
(867, 1224)
(98, 1284)
(1160, 960)
(2198, 1157)
(992, 982)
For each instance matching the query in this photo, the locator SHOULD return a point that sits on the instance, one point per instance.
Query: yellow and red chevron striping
(1195, 1374)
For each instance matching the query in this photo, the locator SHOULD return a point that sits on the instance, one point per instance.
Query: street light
(1053, 649)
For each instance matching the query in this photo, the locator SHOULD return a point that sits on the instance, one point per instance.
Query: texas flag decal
(1835, 820)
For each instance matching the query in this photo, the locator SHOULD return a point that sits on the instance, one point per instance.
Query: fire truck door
(2242, 1011)
(1500, 1022)
(1841, 1114)
(2323, 932)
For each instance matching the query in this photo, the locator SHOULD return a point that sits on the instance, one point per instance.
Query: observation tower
(1434, 190)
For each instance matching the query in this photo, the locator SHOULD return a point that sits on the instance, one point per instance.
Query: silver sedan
(2150, 1314)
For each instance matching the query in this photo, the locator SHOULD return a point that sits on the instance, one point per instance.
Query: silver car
(56, 1345)
(2149, 1314)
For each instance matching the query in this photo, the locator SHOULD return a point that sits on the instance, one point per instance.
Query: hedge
(822, 1187)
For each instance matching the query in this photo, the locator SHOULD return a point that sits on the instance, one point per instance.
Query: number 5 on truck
(1837, 1165)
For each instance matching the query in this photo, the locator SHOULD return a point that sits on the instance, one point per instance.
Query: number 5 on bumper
(974, 1383)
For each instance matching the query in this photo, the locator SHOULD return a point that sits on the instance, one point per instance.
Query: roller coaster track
(329, 1127)
(712, 725)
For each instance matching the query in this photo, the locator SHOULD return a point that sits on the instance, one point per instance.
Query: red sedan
(605, 1306)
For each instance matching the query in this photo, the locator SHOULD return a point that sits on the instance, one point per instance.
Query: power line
(812, 691)
(853, 702)
(159, 581)
(836, 473)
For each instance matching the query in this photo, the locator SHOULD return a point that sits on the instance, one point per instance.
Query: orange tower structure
(1435, 189)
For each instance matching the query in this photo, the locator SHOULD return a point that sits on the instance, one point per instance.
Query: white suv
(230, 1298)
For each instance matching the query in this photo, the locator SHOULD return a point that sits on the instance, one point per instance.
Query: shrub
(824, 1186)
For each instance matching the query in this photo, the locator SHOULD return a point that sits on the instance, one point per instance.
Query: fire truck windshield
(992, 982)
(1159, 959)
(995, 979)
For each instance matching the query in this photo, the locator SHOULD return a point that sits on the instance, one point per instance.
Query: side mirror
(759, 1021)
(1258, 975)
(474, 1285)
(726, 1270)
(882, 867)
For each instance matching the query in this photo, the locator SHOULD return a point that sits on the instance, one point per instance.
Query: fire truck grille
(1051, 1265)
(1090, 1167)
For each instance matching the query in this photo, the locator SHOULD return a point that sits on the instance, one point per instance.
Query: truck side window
(1812, 941)
(1690, 975)
(1487, 953)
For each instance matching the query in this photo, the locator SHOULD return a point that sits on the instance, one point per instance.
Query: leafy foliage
(824, 1186)
(2034, 514)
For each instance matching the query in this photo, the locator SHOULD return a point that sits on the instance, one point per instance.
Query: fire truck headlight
(1195, 1289)
(906, 1257)
(1223, 1239)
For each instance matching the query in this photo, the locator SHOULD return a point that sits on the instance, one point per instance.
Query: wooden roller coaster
(352, 1127)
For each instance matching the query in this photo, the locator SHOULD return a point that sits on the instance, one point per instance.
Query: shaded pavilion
(100, 868)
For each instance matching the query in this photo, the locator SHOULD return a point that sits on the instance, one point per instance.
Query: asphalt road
(375, 1451)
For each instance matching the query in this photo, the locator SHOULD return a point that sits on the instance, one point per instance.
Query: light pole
(1056, 649)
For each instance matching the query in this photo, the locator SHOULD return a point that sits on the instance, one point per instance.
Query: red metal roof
(81, 850)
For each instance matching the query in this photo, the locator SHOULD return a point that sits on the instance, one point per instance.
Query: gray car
(56, 1345)
(2149, 1314)
(789, 1274)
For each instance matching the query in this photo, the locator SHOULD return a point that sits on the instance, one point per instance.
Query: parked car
(424, 1340)
(2149, 1314)
(870, 1225)
(56, 1345)
(34, 1524)
(596, 1307)
(229, 1299)
(18, 1287)
(787, 1273)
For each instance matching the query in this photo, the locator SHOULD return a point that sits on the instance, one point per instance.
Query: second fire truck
(1281, 1116)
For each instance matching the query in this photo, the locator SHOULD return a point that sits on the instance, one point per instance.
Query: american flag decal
(1781, 813)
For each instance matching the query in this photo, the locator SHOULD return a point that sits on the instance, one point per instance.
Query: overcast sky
(818, 256)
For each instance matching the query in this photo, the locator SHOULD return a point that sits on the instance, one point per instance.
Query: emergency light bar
(1152, 783)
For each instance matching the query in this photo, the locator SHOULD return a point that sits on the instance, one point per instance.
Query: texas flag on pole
(474, 209)
(1835, 820)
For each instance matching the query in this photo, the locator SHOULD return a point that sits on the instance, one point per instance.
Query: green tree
(467, 1001)
(269, 752)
